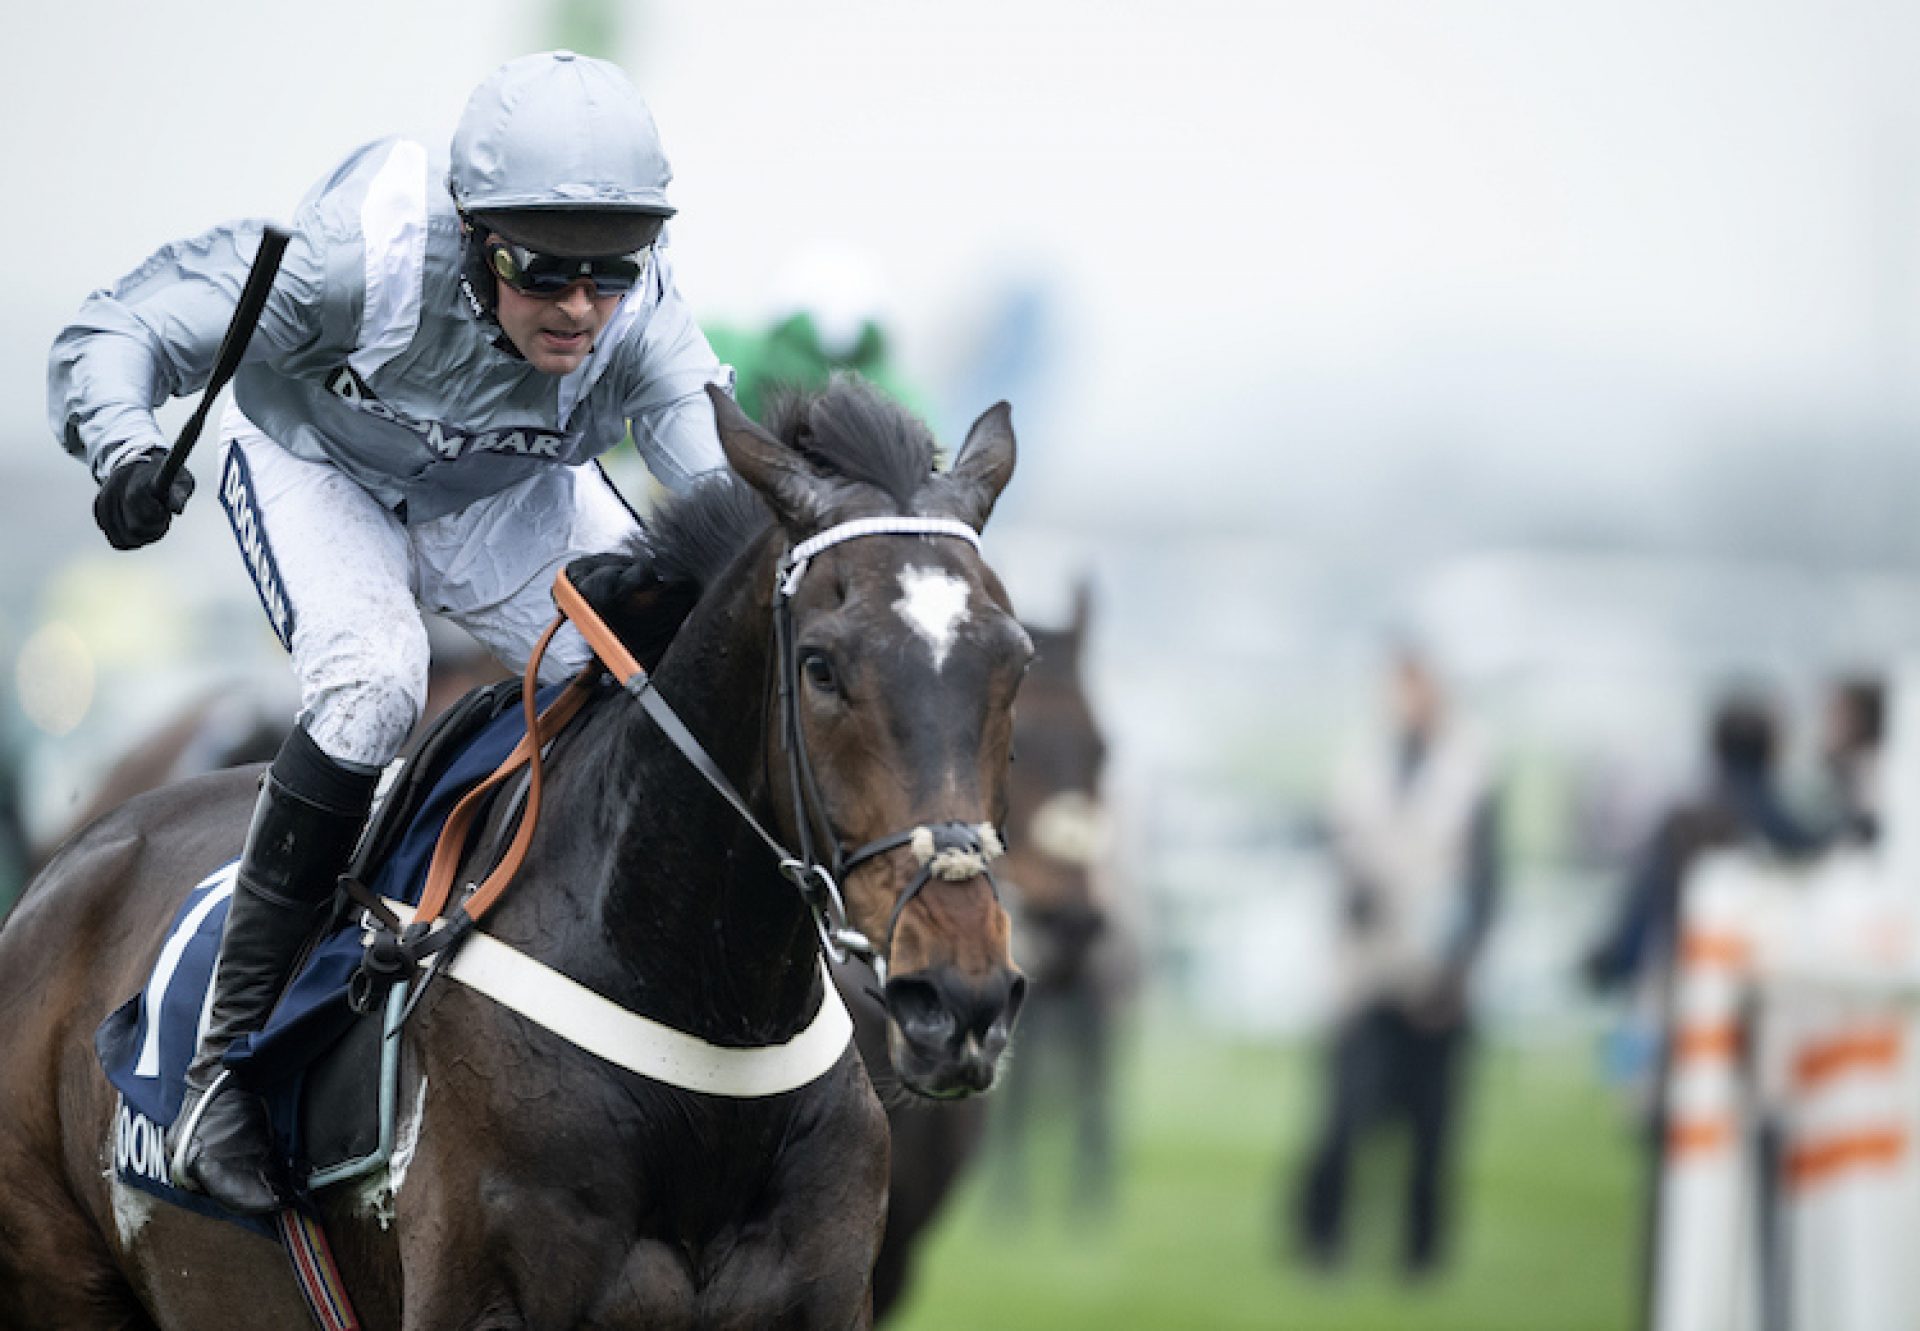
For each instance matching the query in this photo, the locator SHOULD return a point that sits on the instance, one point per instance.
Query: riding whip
(253, 299)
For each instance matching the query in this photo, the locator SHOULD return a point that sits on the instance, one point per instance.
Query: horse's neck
(704, 933)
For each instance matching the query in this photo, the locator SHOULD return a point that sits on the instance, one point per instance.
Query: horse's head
(900, 656)
(1056, 824)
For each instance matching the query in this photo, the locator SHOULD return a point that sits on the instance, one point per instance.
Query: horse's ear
(784, 479)
(984, 467)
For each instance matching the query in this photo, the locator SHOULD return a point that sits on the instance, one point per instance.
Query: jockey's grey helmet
(557, 152)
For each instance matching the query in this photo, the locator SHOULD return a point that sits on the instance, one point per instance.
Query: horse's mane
(849, 430)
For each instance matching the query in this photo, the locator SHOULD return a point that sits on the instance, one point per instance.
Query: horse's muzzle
(947, 1032)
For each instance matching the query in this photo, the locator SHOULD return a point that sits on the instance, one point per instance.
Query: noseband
(951, 851)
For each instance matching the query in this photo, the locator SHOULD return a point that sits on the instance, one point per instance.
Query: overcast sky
(1275, 241)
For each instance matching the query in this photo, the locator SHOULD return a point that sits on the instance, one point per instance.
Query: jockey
(446, 348)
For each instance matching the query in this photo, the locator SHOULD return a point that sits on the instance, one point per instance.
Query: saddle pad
(146, 1044)
(335, 1114)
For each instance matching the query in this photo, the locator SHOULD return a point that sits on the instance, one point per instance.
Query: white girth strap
(605, 1029)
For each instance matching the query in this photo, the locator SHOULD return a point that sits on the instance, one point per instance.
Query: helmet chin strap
(477, 286)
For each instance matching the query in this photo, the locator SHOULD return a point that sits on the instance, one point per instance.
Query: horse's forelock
(848, 430)
(853, 431)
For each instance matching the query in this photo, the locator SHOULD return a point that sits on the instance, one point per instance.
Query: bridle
(951, 851)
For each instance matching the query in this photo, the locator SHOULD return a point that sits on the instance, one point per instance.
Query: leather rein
(950, 851)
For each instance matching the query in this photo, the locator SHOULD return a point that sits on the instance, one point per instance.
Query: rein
(952, 851)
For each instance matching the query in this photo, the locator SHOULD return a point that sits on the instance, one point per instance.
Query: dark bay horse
(1065, 930)
(540, 1187)
(1055, 822)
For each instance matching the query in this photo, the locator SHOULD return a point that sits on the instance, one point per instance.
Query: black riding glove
(604, 581)
(127, 509)
(626, 592)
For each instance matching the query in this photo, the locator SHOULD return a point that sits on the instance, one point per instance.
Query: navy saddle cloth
(146, 1044)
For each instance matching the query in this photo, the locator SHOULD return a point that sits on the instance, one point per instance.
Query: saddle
(328, 1071)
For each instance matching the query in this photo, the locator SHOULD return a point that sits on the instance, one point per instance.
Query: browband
(795, 564)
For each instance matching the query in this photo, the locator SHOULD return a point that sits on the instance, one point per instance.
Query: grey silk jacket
(370, 356)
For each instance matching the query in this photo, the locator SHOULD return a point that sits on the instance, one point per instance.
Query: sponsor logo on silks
(236, 496)
(446, 441)
(139, 1147)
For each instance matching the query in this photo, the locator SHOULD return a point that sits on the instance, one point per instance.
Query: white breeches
(344, 581)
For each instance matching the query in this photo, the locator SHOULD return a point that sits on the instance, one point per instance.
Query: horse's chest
(652, 1209)
(790, 1242)
(752, 1277)
(790, 1265)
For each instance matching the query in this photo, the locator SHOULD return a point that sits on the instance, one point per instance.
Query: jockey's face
(554, 333)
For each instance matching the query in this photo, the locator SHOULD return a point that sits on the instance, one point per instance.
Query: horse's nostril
(1016, 996)
(914, 1004)
(988, 1008)
(945, 1015)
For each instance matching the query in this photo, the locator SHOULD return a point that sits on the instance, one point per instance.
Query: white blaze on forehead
(934, 606)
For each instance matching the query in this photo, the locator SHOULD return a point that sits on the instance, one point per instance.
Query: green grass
(1209, 1135)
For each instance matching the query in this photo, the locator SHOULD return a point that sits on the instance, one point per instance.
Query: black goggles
(547, 275)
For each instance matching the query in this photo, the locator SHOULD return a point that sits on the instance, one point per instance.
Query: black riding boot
(303, 832)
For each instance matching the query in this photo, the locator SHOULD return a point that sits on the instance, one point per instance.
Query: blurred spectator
(1414, 824)
(830, 320)
(1741, 803)
(1854, 726)
(793, 354)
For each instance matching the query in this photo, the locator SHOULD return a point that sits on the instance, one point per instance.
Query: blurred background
(1573, 350)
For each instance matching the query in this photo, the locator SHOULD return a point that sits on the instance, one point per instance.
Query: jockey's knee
(363, 723)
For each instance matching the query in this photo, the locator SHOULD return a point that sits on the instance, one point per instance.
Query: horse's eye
(819, 672)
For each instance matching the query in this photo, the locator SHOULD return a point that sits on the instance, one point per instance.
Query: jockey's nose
(577, 299)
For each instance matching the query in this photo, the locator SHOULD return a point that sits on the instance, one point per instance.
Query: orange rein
(541, 728)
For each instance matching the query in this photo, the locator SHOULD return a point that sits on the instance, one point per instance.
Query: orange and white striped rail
(1793, 1011)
